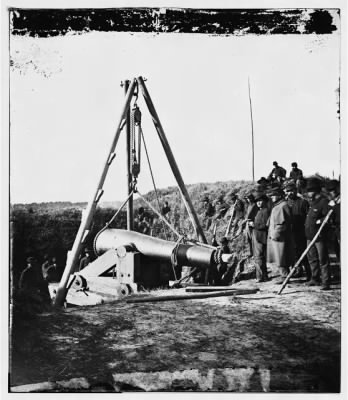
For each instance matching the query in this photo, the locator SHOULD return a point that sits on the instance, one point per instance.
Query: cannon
(136, 260)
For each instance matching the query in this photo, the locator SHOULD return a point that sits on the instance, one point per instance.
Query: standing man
(299, 209)
(259, 236)
(251, 212)
(209, 211)
(236, 211)
(318, 255)
(32, 284)
(85, 260)
(333, 189)
(278, 173)
(279, 244)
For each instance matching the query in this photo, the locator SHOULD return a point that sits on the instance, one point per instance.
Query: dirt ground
(294, 336)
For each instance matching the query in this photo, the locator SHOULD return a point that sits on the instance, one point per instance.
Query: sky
(66, 100)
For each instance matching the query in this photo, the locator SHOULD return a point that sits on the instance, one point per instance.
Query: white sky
(62, 124)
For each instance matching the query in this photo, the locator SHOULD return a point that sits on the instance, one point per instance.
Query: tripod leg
(186, 198)
(88, 214)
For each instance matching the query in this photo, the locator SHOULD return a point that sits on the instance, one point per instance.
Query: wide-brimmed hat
(276, 191)
(332, 185)
(313, 185)
(260, 196)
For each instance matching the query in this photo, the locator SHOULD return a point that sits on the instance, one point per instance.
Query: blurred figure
(333, 189)
(297, 175)
(85, 260)
(165, 209)
(209, 211)
(32, 285)
(220, 207)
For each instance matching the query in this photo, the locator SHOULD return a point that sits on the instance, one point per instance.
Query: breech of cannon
(159, 249)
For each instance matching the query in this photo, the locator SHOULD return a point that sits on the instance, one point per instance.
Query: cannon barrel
(185, 254)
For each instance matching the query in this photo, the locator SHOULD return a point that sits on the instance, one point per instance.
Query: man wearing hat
(278, 173)
(318, 255)
(279, 244)
(296, 175)
(333, 189)
(85, 260)
(220, 207)
(299, 209)
(259, 236)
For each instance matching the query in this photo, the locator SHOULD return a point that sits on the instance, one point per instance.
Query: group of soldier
(282, 216)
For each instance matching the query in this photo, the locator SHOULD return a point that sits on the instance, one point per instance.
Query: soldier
(279, 243)
(85, 260)
(45, 266)
(165, 208)
(221, 207)
(318, 255)
(278, 173)
(52, 271)
(299, 209)
(259, 236)
(236, 211)
(251, 212)
(297, 175)
(31, 283)
(209, 211)
(221, 268)
(333, 189)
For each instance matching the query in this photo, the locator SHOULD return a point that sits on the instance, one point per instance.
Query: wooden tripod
(89, 212)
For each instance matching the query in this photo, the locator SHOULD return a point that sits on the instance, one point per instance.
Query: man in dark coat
(32, 284)
(279, 244)
(259, 236)
(296, 175)
(85, 260)
(333, 189)
(318, 255)
(299, 209)
(165, 209)
(278, 173)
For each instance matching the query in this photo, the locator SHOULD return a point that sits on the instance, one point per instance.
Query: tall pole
(185, 196)
(252, 134)
(88, 213)
(130, 219)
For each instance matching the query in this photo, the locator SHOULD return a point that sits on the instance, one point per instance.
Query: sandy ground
(295, 337)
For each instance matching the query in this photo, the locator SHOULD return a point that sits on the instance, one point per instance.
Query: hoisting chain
(135, 122)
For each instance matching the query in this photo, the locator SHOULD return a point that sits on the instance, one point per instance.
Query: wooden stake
(305, 252)
(252, 134)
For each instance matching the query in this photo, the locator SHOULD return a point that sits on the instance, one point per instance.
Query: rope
(111, 220)
(153, 179)
(158, 214)
(174, 256)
